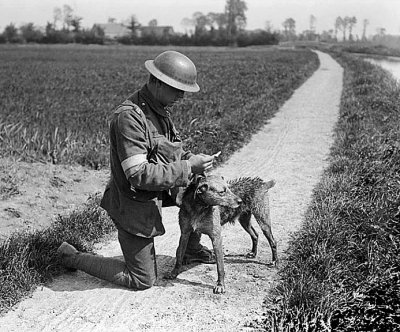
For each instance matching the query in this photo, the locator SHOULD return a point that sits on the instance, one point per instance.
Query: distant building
(114, 30)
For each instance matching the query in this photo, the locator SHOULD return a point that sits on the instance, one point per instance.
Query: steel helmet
(174, 69)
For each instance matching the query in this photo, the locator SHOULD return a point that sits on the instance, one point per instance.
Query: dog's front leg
(183, 241)
(216, 240)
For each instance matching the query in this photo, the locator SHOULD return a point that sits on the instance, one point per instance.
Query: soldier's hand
(201, 163)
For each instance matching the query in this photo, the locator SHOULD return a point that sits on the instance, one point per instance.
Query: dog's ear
(201, 176)
(196, 178)
(201, 188)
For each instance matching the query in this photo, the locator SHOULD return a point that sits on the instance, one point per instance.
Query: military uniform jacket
(147, 162)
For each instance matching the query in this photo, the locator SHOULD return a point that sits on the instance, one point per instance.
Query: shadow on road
(240, 259)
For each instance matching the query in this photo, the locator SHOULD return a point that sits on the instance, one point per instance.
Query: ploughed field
(55, 101)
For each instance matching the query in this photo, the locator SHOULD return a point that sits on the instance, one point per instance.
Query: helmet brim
(149, 64)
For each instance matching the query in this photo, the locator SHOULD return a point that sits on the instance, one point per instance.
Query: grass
(342, 271)
(367, 48)
(54, 106)
(28, 259)
(9, 185)
(55, 101)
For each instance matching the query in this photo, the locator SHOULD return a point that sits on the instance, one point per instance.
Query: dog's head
(213, 190)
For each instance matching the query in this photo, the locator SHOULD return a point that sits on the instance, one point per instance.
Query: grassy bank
(28, 259)
(343, 271)
(368, 48)
(54, 104)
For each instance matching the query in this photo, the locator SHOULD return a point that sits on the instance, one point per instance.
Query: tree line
(343, 30)
(216, 29)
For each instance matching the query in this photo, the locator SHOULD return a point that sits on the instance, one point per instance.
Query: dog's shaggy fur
(210, 202)
(255, 201)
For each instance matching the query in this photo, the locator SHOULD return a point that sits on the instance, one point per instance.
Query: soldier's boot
(197, 253)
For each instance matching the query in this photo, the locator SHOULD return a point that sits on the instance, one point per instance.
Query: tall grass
(343, 267)
(371, 48)
(9, 185)
(29, 258)
(55, 101)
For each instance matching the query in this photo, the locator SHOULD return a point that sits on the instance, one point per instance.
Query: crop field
(55, 101)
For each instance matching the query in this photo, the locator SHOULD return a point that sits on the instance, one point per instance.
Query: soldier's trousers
(137, 271)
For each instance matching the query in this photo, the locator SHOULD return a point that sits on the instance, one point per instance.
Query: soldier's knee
(142, 282)
(143, 286)
(146, 282)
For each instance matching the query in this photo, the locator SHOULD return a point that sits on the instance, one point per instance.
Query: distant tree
(98, 31)
(381, 32)
(217, 20)
(236, 18)
(27, 30)
(217, 23)
(364, 34)
(153, 23)
(345, 25)
(51, 35)
(57, 16)
(111, 20)
(67, 17)
(10, 34)
(268, 26)
(30, 34)
(95, 35)
(201, 22)
(260, 37)
(133, 24)
(327, 36)
(313, 20)
(352, 21)
(339, 25)
(202, 27)
(310, 34)
(188, 24)
(76, 23)
(49, 28)
(289, 26)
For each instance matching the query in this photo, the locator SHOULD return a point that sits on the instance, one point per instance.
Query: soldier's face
(168, 95)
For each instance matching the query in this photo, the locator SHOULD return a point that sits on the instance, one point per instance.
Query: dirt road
(292, 148)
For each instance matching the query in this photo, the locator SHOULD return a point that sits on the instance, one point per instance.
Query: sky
(380, 13)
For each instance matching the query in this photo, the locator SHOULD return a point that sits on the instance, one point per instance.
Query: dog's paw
(251, 255)
(273, 263)
(219, 289)
(171, 275)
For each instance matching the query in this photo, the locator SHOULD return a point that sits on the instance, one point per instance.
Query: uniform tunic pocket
(165, 151)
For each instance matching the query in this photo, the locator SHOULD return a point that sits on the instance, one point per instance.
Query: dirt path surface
(292, 148)
(45, 191)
